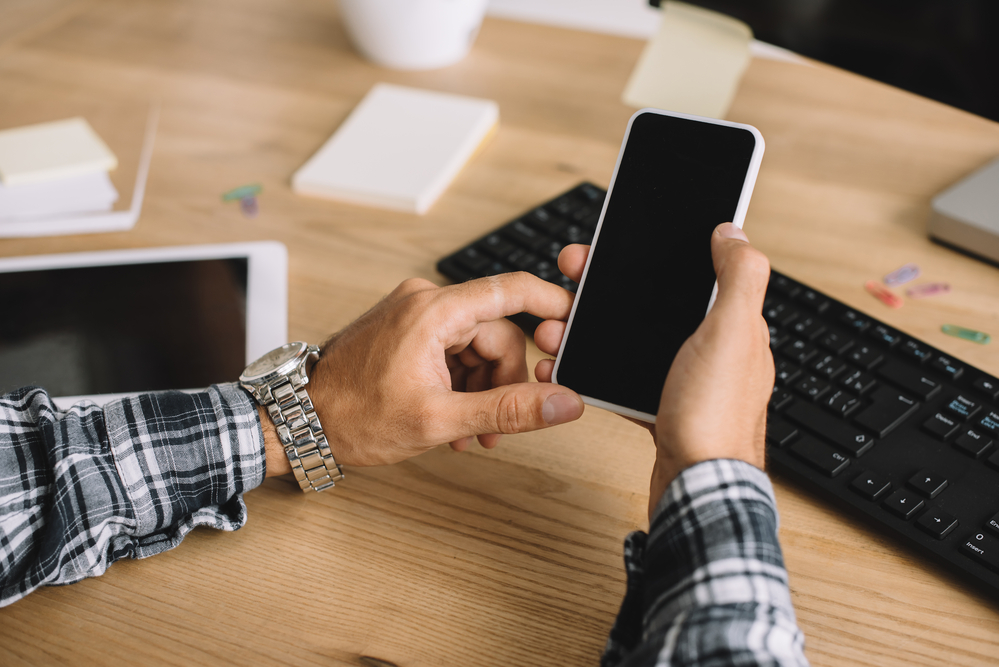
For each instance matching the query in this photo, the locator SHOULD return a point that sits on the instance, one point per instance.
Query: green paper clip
(242, 192)
(967, 334)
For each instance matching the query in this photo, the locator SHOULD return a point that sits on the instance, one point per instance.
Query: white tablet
(97, 325)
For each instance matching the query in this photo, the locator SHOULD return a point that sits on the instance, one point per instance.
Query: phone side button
(820, 456)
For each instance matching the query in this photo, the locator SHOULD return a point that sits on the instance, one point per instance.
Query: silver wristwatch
(277, 381)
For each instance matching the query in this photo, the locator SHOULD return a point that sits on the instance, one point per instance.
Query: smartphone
(649, 279)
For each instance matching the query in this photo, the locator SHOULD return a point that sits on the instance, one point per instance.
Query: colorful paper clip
(902, 275)
(967, 334)
(929, 289)
(242, 192)
(883, 294)
(249, 206)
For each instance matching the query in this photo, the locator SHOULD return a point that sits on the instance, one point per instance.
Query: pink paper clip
(929, 289)
(902, 275)
(883, 294)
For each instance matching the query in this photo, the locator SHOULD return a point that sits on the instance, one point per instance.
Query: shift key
(831, 428)
(890, 409)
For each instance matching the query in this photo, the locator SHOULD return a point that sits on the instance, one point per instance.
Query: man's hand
(430, 365)
(714, 403)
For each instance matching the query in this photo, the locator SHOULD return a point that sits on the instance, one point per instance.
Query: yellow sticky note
(49, 151)
(693, 65)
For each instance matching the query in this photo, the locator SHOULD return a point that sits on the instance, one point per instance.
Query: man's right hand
(714, 403)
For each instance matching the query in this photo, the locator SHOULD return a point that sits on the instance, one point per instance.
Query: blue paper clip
(902, 275)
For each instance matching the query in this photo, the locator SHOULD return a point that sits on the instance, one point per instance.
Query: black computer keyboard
(886, 426)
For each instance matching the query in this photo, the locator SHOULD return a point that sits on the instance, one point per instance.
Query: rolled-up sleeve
(82, 488)
(707, 584)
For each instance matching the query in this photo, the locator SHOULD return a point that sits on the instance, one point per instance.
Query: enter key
(890, 408)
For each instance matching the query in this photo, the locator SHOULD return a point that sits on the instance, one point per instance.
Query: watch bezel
(283, 370)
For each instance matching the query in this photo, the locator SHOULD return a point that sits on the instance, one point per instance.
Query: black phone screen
(650, 277)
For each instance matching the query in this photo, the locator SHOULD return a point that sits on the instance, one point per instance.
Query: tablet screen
(124, 328)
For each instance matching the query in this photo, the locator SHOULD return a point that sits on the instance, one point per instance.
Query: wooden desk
(508, 557)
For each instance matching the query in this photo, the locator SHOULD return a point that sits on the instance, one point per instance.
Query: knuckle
(510, 417)
(413, 286)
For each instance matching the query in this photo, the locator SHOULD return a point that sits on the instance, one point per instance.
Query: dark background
(947, 50)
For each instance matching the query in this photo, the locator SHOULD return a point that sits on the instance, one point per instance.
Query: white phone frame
(738, 219)
(266, 287)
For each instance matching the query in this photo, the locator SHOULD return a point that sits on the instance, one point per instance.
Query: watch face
(273, 360)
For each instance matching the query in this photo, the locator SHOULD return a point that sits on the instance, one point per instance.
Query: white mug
(413, 34)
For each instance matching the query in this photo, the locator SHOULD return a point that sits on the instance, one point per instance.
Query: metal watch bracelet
(302, 436)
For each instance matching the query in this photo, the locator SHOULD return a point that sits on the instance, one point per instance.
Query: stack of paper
(54, 169)
(399, 149)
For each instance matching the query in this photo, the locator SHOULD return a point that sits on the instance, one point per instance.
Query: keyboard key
(562, 205)
(993, 524)
(903, 503)
(820, 456)
(473, 260)
(983, 549)
(811, 387)
(941, 426)
(937, 523)
(871, 485)
(865, 356)
(551, 250)
(576, 234)
(524, 261)
(915, 351)
(855, 322)
(813, 300)
(993, 460)
(495, 269)
(780, 314)
(785, 372)
(799, 351)
(963, 407)
(546, 222)
(497, 246)
(988, 386)
(828, 366)
(890, 409)
(842, 434)
(785, 286)
(591, 193)
(947, 366)
(912, 380)
(858, 382)
(777, 337)
(928, 483)
(525, 235)
(973, 443)
(885, 335)
(546, 271)
(808, 328)
(840, 403)
(990, 422)
(779, 432)
(779, 399)
(836, 342)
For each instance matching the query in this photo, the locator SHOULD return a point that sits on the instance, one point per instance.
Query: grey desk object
(966, 215)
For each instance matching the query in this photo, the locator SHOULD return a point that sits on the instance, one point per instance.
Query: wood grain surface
(503, 557)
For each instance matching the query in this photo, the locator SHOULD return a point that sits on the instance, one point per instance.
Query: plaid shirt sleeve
(82, 488)
(707, 585)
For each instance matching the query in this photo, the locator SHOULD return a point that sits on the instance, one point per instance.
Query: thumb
(512, 408)
(743, 271)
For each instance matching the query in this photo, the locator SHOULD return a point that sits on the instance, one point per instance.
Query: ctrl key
(983, 549)
(820, 455)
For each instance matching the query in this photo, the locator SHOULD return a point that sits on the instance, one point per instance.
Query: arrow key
(930, 484)
(937, 523)
(903, 503)
(871, 485)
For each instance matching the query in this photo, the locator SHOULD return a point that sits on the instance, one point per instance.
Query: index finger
(495, 297)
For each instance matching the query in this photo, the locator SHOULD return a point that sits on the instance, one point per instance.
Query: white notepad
(50, 151)
(399, 149)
